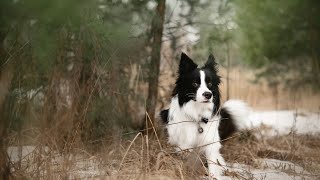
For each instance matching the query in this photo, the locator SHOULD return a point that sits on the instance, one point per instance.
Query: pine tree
(281, 38)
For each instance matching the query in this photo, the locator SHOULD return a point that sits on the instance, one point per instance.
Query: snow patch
(272, 169)
(284, 122)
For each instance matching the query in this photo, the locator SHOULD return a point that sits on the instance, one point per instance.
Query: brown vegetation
(139, 157)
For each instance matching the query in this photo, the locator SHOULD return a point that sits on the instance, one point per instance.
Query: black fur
(226, 125)
(164, 115)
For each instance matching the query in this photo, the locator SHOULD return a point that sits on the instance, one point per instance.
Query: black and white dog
(195, 119)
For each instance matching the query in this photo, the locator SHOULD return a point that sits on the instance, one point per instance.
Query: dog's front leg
(215, 161)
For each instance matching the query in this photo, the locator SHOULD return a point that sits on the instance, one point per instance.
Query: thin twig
(128, 149)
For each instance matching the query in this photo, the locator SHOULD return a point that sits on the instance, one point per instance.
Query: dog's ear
(211, 64)
(186, 64)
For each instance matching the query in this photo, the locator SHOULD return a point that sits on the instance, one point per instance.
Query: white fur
(185, 135)
(240, 112)
(202, 89)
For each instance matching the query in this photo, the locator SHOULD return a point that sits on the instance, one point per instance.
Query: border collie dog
(195, 119)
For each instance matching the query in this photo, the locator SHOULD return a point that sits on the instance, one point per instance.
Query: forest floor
(277, 145)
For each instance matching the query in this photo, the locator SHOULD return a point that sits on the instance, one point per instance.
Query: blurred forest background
(74, 72)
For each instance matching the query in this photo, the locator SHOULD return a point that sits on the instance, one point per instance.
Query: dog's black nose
(207, 95)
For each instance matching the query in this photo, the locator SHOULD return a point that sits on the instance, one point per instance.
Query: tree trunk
(156, 29)
(5, 83)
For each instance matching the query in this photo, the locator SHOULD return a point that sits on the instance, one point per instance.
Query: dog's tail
(234, 117)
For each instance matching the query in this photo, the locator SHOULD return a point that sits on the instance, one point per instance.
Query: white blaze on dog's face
(204, 95)
(199, 85)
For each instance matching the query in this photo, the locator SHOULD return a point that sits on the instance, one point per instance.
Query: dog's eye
(194, 84)
(209, 85)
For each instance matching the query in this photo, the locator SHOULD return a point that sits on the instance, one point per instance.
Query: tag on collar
(200, 129)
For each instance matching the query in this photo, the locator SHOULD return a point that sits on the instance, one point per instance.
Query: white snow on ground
(284, 122)
(70, 166)
(273, 169)
(15, 152)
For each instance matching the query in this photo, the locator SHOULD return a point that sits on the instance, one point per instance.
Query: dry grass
(261, 96)
(141, 157)
(300, 150)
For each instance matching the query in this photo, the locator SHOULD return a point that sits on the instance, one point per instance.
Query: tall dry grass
(263, 97)
(141, 157)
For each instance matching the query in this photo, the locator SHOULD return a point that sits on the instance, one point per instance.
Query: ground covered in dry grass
(141, 157)
(297, 156)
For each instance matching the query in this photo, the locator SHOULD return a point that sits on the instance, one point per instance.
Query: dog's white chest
(183, 130)
(185, 135)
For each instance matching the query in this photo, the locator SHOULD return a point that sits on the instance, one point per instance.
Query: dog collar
(203, 119)
(200, 129)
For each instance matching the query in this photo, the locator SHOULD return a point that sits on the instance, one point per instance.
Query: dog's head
(198, 84)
